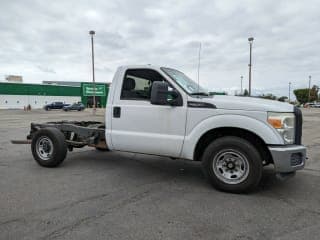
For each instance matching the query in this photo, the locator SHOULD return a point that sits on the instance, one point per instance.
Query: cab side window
(137, 84)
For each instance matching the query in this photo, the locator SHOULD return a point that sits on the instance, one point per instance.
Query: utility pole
(241, 93)
(250, 39)
(93, 79)
(199, 59)
(289, 90)
(309, 89)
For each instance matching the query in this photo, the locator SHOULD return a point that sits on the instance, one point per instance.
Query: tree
(302, 94)
(246, 92)
(314, 93)
(268, 96)
(282, 99)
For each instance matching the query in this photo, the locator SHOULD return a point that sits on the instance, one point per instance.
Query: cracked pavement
(111, 195)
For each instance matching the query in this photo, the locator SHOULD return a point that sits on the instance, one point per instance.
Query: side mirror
(160, 95)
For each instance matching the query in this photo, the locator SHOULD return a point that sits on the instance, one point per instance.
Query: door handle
(116, 112)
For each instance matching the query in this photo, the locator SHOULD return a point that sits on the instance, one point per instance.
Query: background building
(19, 95)
(66, 83)
(14, 78)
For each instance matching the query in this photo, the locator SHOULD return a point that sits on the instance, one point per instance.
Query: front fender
(266, 132)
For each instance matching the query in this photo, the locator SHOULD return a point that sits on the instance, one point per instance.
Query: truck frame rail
(77, 133)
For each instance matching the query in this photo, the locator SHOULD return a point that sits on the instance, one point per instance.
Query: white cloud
(39, 38)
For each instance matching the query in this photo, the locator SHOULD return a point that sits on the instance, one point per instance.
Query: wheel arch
(216, 133)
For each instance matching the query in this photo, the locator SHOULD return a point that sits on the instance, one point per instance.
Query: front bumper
(288, 158)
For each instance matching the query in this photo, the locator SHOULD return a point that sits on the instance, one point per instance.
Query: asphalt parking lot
(108, 195)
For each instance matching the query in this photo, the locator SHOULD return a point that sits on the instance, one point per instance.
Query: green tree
(268, 96)
(282, 99)
(245, 92)
(314, 93)
(302, 94)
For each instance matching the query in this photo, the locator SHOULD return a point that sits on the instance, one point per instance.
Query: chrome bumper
(288, 158)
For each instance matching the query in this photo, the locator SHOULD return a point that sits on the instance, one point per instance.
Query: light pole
(93, 79)
(309, 88)
(199, 59)
(241, 93)
(289, 90)
(250, 39)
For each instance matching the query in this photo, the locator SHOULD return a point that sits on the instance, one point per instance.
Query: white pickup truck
(160, 111)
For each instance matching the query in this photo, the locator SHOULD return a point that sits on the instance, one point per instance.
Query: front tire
(49, 148)
(232, 164)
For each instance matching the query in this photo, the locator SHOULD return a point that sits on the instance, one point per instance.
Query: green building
(18, 95)
(217, 93)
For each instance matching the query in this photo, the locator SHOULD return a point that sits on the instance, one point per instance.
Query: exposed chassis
(77, 134)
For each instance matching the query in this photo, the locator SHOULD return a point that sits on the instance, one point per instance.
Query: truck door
(138, 125)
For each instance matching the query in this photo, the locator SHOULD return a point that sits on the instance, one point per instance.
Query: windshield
(185, 82)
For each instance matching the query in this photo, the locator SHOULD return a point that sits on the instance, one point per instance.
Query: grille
(298, 126)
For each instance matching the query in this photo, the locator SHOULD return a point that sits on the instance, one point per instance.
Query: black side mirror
(160, 95)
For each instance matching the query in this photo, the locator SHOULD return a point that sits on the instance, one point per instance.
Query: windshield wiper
(200, 93)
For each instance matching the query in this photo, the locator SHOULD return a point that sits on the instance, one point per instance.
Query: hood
(248, 103)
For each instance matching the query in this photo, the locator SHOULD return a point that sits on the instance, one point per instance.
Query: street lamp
(309, 89)
(93, 79)
(289, 90)
(250, 39)
(241, 93)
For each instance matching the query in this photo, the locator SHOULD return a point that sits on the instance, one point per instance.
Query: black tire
(49, 140)
(99, 148)
(228, 156)
(102, 149)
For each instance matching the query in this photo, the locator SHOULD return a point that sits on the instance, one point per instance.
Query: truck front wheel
(232, 164)
(48, 147)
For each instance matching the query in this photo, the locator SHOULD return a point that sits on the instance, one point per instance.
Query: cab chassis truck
(160, 111)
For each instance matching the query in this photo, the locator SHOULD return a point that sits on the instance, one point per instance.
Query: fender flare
(266, 132)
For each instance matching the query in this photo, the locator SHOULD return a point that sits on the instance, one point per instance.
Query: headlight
(284, 124)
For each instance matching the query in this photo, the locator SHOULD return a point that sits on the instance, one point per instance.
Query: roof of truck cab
(141, 66)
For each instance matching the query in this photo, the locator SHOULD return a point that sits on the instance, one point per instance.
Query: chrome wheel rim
(44, 148)
(231, 166)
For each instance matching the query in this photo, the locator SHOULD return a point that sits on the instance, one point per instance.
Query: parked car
(74, 106)
(316, 105)
(312, 105)
(55, 105)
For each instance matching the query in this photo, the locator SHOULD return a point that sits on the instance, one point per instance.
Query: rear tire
(49, 148)
(102, 149)
(232, 164)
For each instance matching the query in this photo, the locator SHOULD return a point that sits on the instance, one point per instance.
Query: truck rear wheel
(232, 164)
(102, 149)
(48, 147)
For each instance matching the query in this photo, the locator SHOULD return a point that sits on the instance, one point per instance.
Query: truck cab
(160, 111)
